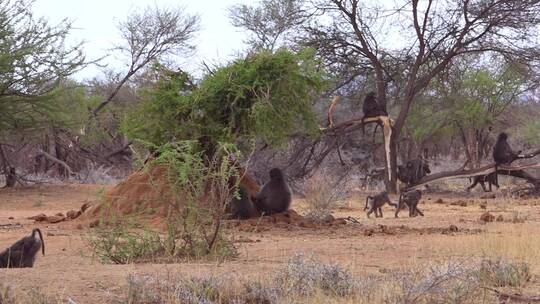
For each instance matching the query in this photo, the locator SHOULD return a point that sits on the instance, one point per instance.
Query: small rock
(488, 196)
(94, 224)
(85, 206)
(38, 218)
(11, 218)
(55, 219)
(439, 201)
(487, 217)
(500, 218)
(340, 221)
(483, 205)
(368, 232)
(72, 214)
(328, 218)
(60, 214)
(453, 228)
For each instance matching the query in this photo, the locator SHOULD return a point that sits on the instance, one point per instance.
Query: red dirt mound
(148, 193)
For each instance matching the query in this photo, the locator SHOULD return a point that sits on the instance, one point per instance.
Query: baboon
(275, 195)
(23, 253)
(411, 199)
(11, 177)
(503, 153)
(376, 202)
(490, 178)
(372, 108)
(413, 171)
(242, 207)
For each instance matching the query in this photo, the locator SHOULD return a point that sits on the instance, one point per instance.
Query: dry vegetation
(374, 261)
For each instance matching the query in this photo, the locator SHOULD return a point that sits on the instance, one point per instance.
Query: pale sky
(95, 22)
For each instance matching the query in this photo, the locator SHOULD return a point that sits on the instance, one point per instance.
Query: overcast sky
(96, 20)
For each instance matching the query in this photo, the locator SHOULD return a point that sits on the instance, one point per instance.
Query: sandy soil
(68, 269)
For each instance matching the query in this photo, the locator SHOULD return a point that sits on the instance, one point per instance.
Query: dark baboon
(242, 207)
(491, 179)
(413, 171)
(503, 153)
(411, 199)
(372, 108)
(23, 252)
(11, 177)
(275, 195)
(376, 202)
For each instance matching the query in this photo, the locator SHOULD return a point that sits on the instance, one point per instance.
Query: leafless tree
(270, 21)
(151, 34)
(401, 46)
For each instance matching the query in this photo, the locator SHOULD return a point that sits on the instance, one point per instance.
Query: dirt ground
(68, 269)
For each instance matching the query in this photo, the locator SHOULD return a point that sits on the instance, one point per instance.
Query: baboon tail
(41, 238)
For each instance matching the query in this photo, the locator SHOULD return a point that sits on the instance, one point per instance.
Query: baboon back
(275, 196)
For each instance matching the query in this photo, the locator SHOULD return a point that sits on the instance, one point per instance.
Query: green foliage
(265, 96)
(124, 244)
(33, 62)
(531, 132)
(201, 190)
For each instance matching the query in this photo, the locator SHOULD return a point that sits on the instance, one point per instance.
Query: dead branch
(511, 298)
(118, 151)
(56, 160)
(516, 171)
(331, 110)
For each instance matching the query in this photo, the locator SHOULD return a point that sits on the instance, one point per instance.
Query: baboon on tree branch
(491, 179)
(503, 153)
(372, 108)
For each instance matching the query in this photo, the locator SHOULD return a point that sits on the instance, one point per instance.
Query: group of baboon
(275, 196)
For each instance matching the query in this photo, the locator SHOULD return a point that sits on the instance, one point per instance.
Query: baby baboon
(242, 207)
(23, 252)
(275, 195)
(411, 199)
(376, 202)
(490, 178)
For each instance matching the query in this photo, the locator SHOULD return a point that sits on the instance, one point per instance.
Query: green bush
(265, 96)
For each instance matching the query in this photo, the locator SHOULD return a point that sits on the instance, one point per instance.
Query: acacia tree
(34, 61)
(404, 45)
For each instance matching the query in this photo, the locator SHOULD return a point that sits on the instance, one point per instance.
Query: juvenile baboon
(23, 252)
(242, 207)
(275, 195)
(376, 202)
(413, 171)
(503, 153)
(411, 199)
(490, 178)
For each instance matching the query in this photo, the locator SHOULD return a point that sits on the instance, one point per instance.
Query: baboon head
(276, 174)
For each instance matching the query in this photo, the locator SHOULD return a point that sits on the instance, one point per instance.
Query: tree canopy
(267, 96)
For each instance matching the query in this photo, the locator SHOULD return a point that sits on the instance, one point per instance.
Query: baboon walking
(23, 252)
(376, 202)
(411, 199)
